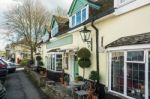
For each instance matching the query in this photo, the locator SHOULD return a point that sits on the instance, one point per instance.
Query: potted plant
(66, 80)
(94, 77)
(78, 78)
(62, 77)
(84, 59)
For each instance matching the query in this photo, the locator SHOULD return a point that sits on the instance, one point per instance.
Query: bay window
(117, 73)
(55, 62)
(128, 73)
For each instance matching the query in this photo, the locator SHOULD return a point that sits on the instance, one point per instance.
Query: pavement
(18, 86)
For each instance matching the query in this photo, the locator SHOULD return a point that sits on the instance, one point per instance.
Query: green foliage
(38, 58)
(66, 78)
(84, 63)
(40, 63)
(79, 78)
(84, 53)
(24, 62)
(94, 76)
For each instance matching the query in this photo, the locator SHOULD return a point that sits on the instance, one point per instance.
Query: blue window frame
(78, 18)
(73, 20)
(83, 14)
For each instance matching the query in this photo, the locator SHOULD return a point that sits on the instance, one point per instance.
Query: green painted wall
(79, 5)
(60, 42)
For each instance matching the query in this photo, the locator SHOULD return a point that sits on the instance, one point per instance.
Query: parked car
(11, 67)
(2, 92)
(3, 70)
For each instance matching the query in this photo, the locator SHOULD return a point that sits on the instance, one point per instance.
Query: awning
(131, 40)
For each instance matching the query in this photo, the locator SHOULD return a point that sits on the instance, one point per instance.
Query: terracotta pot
(65, 84)
(41, 72)
(61, 80)
(94, 96)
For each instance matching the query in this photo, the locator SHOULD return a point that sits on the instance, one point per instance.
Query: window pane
(83, 14)
(117, 73)
(73, 20)
(135, 80)
(59, 62)
(78, 17)
(135, 56)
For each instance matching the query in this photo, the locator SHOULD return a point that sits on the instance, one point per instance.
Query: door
(74, 70)
(71, 59)
(76, 67)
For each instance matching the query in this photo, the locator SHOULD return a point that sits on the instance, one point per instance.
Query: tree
(27, 22)
(84, 59)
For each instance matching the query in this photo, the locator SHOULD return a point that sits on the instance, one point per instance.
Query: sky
(5, 5)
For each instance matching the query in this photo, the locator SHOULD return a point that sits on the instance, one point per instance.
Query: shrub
(40, 63)
(79, 78)
(38, 58)
(24, 62)
(94, 75)
(84, 63)
(84, 53)
(66, 78)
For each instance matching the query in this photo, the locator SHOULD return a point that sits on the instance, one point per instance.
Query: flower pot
(61, 80)
(94, 96)
(65, 84)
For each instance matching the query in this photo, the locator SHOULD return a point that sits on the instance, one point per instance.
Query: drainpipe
(97, 48)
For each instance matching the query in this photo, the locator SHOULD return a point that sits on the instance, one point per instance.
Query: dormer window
(79, 17)
(73, 20)
(84, 14)
(54, 30)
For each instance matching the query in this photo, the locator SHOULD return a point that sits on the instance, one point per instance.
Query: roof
(131, 40)
(61, 19)
(77, 4)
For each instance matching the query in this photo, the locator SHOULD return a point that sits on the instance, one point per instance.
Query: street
(18, 86)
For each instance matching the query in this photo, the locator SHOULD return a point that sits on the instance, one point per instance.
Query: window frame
(53, 61)
(87, 16)
(125, 2)
(55, 30)
(125, 73)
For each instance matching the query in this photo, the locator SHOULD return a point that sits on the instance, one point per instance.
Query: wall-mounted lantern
(86, 36)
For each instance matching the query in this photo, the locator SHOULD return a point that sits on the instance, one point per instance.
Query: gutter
(97, 48)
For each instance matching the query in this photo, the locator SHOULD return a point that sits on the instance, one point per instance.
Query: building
(121, 30)
(15, 52)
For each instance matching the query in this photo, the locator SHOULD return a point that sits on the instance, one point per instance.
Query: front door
(73, 67)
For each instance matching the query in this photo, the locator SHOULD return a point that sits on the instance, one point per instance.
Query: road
(18, 86)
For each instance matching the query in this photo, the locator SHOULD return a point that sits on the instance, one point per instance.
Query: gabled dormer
(81, 10)
(46, 35)
(59, 25)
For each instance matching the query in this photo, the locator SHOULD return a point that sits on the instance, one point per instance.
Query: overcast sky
(7, 4)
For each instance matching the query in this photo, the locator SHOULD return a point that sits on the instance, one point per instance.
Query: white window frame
(125, 2)
(54, 31)
(87, 16)
(125, 73)
(50, 61)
